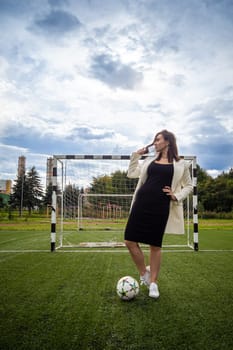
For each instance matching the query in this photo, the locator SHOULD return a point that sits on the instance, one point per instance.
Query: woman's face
(160, 143)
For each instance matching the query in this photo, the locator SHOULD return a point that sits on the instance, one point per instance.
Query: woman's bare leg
(155, 263)
(137, 256)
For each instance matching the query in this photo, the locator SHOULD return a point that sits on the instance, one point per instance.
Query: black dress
(149, 213)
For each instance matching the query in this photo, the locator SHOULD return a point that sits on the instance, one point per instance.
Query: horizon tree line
(214, 194)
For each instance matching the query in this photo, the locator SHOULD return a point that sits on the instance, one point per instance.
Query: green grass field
(67, 300)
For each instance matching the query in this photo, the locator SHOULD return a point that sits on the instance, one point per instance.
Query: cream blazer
(181, 187)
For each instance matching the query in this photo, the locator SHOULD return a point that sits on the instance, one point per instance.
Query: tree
(70, 200)
(115, 183)
(122, 184)
(1, 202)
(101, 184)
(223, 195)
(202, 175)
(17, 199)
(27, 191)
(215, 195)
(47, 199)
(34, 191)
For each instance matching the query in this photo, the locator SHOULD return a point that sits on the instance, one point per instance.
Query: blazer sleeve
(134, 169)
(186, 184)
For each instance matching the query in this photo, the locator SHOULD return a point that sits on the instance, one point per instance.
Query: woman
(164, 182)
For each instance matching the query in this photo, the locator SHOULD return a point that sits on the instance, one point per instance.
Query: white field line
(24, 251)
(114, 251)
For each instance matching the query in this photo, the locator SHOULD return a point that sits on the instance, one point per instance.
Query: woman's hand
(142, 151)
(168, 191)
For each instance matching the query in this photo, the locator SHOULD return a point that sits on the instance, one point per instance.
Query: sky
(104, 76)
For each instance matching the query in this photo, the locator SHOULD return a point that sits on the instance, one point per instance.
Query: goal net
(93, 197)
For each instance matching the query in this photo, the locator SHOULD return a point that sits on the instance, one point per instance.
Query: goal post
(91, 198)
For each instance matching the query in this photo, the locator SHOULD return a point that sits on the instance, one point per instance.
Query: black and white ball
(127, 288)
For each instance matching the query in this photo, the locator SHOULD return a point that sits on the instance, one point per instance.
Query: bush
(215, 215)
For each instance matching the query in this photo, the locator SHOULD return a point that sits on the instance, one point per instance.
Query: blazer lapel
(178, 172)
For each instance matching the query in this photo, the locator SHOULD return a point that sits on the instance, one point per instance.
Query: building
(49, 172)
(5, 186)
(21, 166)
(5, 191)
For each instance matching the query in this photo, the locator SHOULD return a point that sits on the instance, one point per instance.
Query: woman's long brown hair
(172, 147)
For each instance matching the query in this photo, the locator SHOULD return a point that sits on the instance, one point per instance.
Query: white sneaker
(154, 290)
(145, 279)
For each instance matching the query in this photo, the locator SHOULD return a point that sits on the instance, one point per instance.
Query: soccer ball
(127, 288)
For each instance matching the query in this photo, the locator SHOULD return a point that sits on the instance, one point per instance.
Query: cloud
(214, 153)
(57, 22)
(9, 158)
(56, 3)
(167, 43)
(104, 76)
(114, 73)
(174, 79)
(210, 137)
(86, 133)
(15, 7)
(57, 139)
(216, 113)
(9, 161)
(6, 148)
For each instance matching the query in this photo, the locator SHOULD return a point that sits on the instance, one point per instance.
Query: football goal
(91, 200)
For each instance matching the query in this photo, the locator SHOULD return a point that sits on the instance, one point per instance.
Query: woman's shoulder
(182, 162)
(149, 159)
